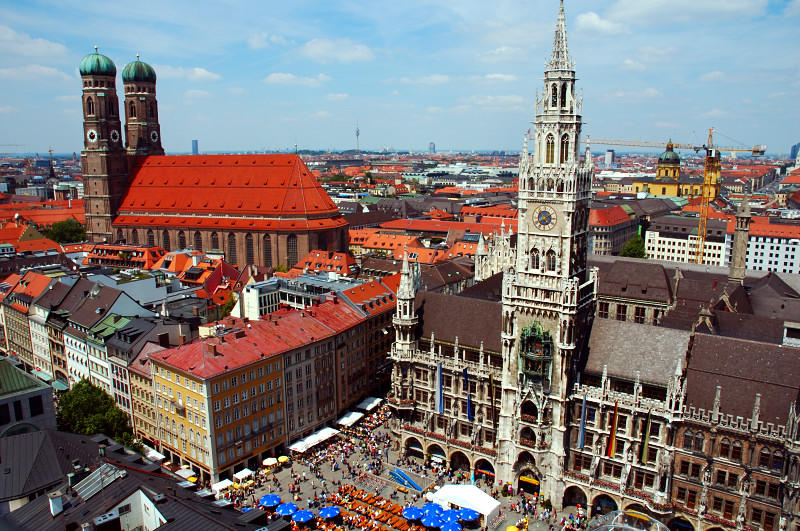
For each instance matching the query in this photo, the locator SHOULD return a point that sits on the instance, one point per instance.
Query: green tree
(68, 231)
(87, 410)
(634, 248)
(226, 308)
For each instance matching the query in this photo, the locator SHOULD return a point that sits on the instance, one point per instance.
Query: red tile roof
(327, 261)
(375, 297)
(42, 244)
(608, 217)
(267, 192)
(762, 226)
(430, 225)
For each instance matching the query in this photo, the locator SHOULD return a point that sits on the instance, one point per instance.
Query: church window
(551, 260)
(181, 240)
(777, 460)
(531, 184)
(151, 238)
(550, 149)
(554, 96)
(135, 237)
(165, 240)
(89, 106)
(120, 237)
(267, 251)
(563, 95)
(215, 241)
(232, 257)
(249, 249)
(132, 110)
(724, 448)
(560, 186)
(564, 153)
(291, 249)
(198, 241)
(535, 259)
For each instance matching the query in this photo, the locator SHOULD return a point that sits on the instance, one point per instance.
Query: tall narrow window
(267, 251)
(198, 241)
(232, 258)
(132, 110)
(135, 237)
(563, 95)
(535, 259)
(120, 237)
(249, 249)
(291, 250)
(181, 240)
(165, 240)
(215, 241)
(564, 154)
(550, 149)
(551, 260)
(151, 238)
(89, 106)
(554, 96)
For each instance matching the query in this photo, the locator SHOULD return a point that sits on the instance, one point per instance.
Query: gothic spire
(560, 59)
(406, 290)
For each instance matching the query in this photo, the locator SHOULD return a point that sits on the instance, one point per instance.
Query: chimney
(195, 259)
(163, 339)
(56, 503)
(209, 349)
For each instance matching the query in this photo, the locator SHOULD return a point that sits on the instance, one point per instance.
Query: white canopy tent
(244, 473)
(314, 439)
(350, 418)
(185, 473)
(468, 496)
(369, 403)
(222, 485)
(152, 454)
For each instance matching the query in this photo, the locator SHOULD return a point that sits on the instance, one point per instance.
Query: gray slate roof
(626, 347)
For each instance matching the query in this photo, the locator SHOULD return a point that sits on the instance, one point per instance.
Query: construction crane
(711, 174)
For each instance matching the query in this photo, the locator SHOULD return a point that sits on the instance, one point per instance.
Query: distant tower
(103, 161)
(142, 132)
(610, 156)
(669, 164)
(195, 150)
(741, 235)
(358, 133)
(432, 148)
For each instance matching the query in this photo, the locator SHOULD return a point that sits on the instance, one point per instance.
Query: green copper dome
(138, 71)
(97, 64)
(669, 156)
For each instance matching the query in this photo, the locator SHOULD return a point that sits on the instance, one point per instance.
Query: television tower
(358, 133)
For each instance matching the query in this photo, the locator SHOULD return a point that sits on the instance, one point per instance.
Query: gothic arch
(436, 450)
(413, 445)
(528, 434)
(267, 251)
(89, 106)
(120, 236)
(550, 184)
(215, 241)
(563, 94)
(551, 260)
(165, 240)
(135, 237)
(249, 249)
(531, 184)
(564, 151)
(291, 250)
(535, 258)
(605, 503)
(132, 110)
(181, 240)
(459, 461)
(232, 257)
(485, 467)
(198, 241)
(529, 408)
(574, 496)
(554, 95)
(560, 186)
(151, 238)
(550, 149)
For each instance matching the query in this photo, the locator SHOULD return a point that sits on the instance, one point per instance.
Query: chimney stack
(56, 503)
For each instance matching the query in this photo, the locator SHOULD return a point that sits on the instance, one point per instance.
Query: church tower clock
(548, 295)
(142, 132)
(103, 160)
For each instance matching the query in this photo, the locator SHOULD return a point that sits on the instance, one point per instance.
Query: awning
(222, 485)
(58, 385)
(240, 475)
(468, 496)
(314, 439)
(526, 479)
(350, 418)
(43, 375)
(149, 453)
(369, 403)
(185, 473)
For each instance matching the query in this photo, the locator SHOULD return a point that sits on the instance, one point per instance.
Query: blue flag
(582, 432)
(438, 399)
(469, 398)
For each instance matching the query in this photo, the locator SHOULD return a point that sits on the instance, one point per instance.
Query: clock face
(91, 135)
(154, 136)
(544, 218)
(115, 136)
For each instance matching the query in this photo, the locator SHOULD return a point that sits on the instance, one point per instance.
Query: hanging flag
(439, 400)
(582, 432)
(469, 399)
(645, 440)
(612, 437)
(491, 395)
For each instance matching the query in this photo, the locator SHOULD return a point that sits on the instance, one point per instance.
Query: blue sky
(242, 75)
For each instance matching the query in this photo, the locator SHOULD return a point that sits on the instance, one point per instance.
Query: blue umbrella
(286, 509)
(469, 515)
(450, 515)
(246, 509)
(431, 520)
(330, 511)
(412, 513)
(431, 507)
(451, 526)
(301, 517)
(270, 500)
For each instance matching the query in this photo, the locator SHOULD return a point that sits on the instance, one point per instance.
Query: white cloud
(236, 90)
(195, 73)
(504, 78)
(322, 114)
(777, 95)
(337, 97)
(714, 75)
(657, 54)
(633, 66)
(637, 95)
(32, 72)
(432, 79)
(336, 50)
(653, 11)
(501, 53)
(262, 39)
(714, 113)
(196, 94)
(20, 44)
(509, 101)
(592, 22)
(7, 108)
(282, 78)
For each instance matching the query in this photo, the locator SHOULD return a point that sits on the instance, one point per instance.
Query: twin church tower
(106, 155)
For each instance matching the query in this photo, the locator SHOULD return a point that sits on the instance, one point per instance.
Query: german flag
(611, 449)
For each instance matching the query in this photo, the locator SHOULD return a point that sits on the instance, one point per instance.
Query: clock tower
(103, 160)
(142, 132)
(548, 295)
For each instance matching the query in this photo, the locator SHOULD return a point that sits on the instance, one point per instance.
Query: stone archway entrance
(603, 504)
(637, 507)
(574, 496)
(414, 447)
(437, 454)
(526, 474)
(459, 462)
(484, 471)
(680, 524)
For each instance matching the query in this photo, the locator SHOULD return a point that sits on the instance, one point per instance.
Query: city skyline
(238, 76)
